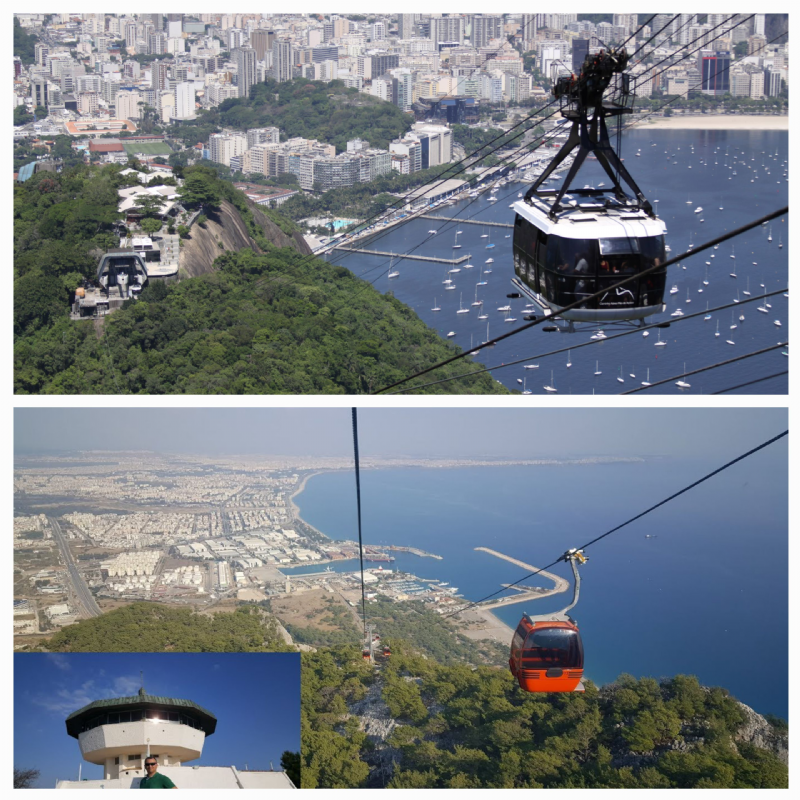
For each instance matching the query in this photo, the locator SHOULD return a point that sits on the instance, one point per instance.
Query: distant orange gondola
(547, 651)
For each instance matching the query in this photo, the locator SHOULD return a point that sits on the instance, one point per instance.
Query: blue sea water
(707, 596)
(698, 170)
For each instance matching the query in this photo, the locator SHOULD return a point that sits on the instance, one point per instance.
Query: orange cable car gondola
(386, 651)
(547, 651)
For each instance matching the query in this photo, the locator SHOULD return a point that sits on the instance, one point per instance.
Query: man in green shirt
(154, 779)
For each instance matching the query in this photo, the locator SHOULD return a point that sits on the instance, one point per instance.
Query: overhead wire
(710, 366)
(581, 301)
(627, 522)
(354, 415)
(545, 137)
(445, 177)
(750, 383)
(570, 347)
(368, 240)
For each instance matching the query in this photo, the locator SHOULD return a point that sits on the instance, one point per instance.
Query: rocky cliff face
(226, 230)
(757, 731)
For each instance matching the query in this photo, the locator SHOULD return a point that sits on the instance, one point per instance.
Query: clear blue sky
(400, 431)
(254, 696)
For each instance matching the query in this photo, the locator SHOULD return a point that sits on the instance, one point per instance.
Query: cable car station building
(121, 732)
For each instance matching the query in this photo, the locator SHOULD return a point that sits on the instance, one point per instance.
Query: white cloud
(59, 661)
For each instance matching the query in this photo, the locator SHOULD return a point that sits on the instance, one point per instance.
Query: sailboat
(597, 368)
(477, 302)
(707, 316)
(569, 359)
(468, 265)
(647, 382)
(435, 307)
(531, 366)
(659, 343)
(681, 384)
(746, 292)
(461, 309)
(717, 332)
(769, 238)
(395, 273)
(733, 324)
(487, 336)
(524, 384)
(619, 377)
(552, 387)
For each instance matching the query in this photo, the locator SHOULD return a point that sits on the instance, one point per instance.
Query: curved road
(85, 598)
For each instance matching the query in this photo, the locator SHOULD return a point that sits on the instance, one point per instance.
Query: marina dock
(461, 221)
(402, 256)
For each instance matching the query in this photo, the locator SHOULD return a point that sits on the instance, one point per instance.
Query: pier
(467, 221)
(402, 256)
(561, 584)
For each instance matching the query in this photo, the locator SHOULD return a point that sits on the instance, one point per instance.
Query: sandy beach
(716, 122)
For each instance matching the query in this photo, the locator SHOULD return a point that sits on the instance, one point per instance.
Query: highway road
(81, 590)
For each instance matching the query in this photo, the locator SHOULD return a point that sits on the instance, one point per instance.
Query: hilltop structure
(121, 732)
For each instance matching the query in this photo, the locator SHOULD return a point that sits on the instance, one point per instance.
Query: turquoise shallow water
(713, 577)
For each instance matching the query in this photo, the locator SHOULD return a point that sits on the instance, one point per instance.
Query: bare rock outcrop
(225, 227)
(757, 731)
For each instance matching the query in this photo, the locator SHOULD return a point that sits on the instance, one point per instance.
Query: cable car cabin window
(572, 264)
(553, 647)
(524, 248)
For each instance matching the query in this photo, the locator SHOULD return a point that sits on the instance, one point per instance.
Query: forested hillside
(267, 320)
(329, 112)
(413, 723)
(150, 627)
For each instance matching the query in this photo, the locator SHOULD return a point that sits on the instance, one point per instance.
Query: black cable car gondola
(571, 243)
(547, 651)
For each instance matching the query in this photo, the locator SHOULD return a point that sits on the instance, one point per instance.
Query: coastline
(717, 122)
(294, 507)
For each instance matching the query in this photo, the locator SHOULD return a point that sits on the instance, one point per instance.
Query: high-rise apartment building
(486, 27)
(184, 100)
(282, 60)
(261, 41)
(405, 25)
(245, 58)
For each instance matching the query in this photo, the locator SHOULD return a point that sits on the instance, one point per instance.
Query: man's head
(150, 765)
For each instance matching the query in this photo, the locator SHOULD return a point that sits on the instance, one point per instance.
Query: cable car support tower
(582, 100)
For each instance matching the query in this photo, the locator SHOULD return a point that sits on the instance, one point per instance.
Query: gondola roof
(590, 219)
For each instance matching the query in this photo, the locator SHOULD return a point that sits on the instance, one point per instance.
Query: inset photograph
(157, 721)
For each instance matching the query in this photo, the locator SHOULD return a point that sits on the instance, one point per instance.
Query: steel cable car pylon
(570, 244)
(578, 97)
(547, 651)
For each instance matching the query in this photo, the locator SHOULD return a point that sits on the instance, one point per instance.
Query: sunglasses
(150, 763)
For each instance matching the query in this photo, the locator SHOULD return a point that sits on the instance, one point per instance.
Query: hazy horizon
(398, 432)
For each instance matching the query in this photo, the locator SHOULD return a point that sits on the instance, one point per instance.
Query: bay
(675, 166)
(710, 585)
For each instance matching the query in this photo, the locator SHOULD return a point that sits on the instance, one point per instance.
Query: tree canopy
(460, 726)
(329, 112)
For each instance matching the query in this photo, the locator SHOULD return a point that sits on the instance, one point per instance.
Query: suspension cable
(629, 521)
(569, 347)
(600, 293)
(358, 508)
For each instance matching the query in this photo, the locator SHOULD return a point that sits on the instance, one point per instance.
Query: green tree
(150, 225)
(199, 189)
(291, 765)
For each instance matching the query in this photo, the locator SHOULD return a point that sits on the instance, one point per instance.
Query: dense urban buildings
(92, 73)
